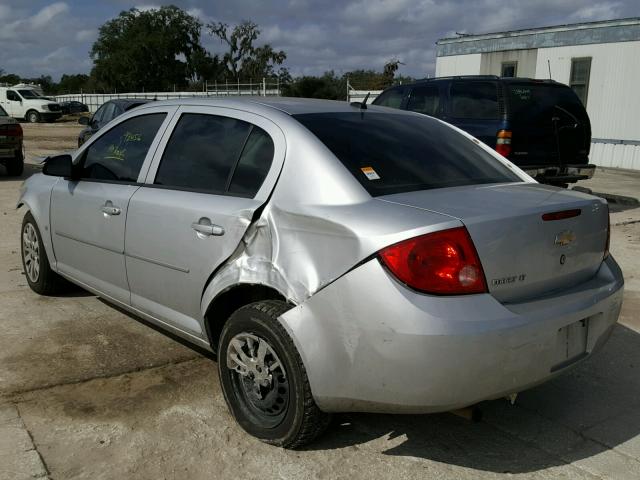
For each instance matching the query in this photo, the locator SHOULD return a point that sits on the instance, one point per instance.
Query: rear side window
(425, 100)
(118, 155)
(253, 165)
(393, 153)
(214, 154)
(390, 98)
(474, 100)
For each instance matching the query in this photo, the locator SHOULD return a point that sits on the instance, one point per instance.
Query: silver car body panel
(312, 233)
(401, 351)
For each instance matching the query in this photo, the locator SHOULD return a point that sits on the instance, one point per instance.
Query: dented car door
(209, 176)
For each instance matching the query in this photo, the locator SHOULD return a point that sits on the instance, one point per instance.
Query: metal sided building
(599, 60)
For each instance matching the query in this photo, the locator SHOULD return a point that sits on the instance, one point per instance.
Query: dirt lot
(87, 391)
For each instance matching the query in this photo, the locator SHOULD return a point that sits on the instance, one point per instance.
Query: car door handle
(110, 209)
(207, 229)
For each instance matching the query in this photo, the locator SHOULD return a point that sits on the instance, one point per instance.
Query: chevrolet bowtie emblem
(565, 238)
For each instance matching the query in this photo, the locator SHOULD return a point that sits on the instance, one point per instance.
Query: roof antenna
(363, 104)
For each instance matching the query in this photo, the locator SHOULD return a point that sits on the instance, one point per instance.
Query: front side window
(425, 100)
(202, 152)
(474, 100)
(109, 113)
(390, 98)
(118, 155)
(579, 79)
(394, 153)
(13, 96)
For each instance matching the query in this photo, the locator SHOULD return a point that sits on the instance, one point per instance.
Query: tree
(72, 83)
(244, 60)
(327, 86)
(152, 49)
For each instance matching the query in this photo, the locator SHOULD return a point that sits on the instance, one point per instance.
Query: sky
(39, 37)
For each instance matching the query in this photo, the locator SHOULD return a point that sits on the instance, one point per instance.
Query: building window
(579, 79)
(509, 69)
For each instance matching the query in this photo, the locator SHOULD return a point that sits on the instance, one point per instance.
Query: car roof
(479, 77)
(124, 102)
(288, 105)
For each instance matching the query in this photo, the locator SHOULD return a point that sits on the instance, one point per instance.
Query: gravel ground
(87, 391)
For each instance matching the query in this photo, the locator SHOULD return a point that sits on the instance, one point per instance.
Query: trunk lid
(523, 256)
(550, 125)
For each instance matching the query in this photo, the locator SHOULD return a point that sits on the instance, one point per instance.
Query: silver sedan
(336, 258)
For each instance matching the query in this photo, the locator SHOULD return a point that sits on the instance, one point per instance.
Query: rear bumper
(560, 174)
(370, 344)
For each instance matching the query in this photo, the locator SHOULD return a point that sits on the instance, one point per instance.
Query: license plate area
(571, 344)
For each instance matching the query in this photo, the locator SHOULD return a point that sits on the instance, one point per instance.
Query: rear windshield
(394, 153)
(528, 101)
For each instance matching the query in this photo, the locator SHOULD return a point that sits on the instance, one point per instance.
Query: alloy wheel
(31, 252)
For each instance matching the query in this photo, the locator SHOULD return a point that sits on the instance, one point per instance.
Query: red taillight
(441, 263)
(11, 130)
(503, 143)
(549, 217)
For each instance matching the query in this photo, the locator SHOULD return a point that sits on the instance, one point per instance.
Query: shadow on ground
(578, 415)
(29, 169)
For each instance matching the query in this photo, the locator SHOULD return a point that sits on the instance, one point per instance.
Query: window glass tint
(390, 153)
(97, 117)
(424, 100)
(202, 152)
(391, 98)
(13, 96)
(3, 113)
(109, 113)
(28, 94)
(119, 154)
(474, 100)
(253, 165)
(538, 104)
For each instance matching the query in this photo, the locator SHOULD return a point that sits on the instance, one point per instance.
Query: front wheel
(264, 380)
(40, 277)
(33, 116)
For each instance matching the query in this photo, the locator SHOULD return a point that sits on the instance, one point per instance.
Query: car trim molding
(156, 262)
(75, 239)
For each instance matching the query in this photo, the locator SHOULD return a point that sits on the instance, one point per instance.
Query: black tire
(15, 166)
(299, 420)
(32, 116)
(46, 282)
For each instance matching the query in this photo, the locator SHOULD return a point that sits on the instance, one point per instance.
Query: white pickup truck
(25, 102)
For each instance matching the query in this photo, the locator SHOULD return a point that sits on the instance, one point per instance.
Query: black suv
(540, 125)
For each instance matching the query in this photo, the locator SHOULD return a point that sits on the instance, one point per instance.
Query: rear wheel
(39, 275)
(264, 380)
(33, 116)
(15, 166)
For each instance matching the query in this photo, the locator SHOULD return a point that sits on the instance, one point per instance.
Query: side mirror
(83, 120)
(59, 166)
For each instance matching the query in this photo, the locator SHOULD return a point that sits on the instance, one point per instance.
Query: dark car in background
(539, 125)
(11, 154)
(107, 112)
(73, 106)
